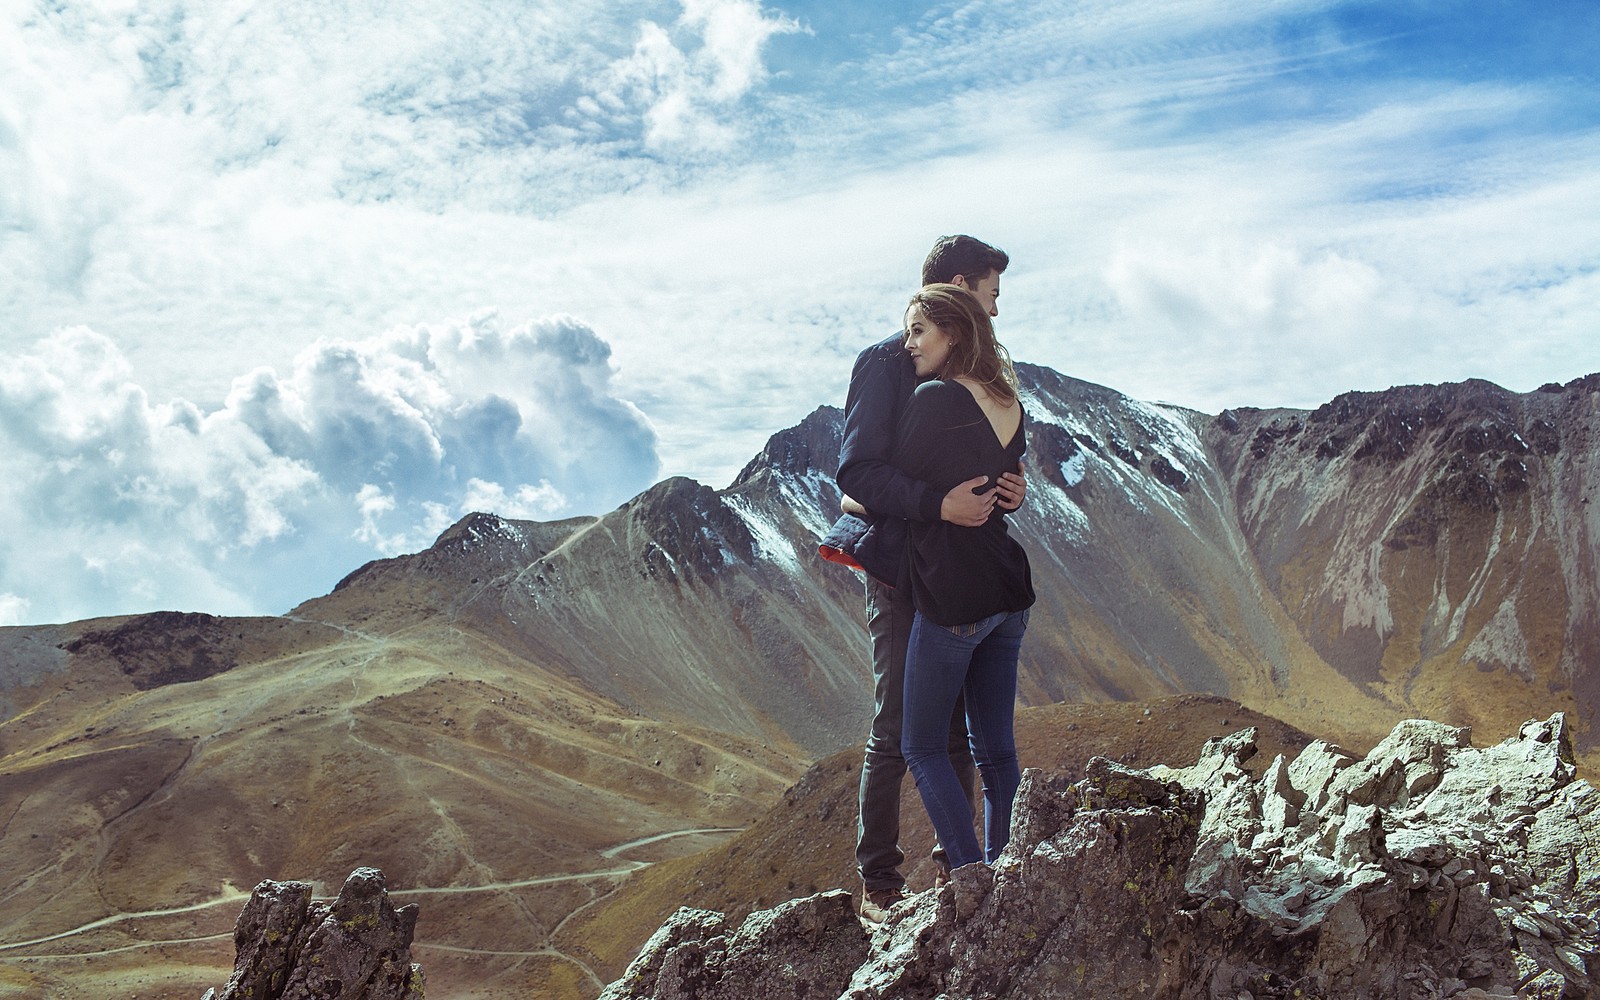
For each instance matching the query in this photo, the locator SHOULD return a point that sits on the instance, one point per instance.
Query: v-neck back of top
(956, 574)
(988, 420)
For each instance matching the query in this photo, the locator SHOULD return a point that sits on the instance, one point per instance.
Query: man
(871, 536)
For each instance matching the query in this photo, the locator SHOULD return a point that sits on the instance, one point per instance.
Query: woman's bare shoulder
(984, 397)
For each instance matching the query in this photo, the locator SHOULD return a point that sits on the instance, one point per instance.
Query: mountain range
(514, 720)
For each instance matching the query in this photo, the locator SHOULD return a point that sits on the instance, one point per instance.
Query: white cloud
(529, 501)
(1247, 292)
(1212, 203)
(13, 609)
(366, 448)
(686, 82)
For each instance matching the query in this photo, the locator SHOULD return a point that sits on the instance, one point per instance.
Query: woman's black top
(956, 574)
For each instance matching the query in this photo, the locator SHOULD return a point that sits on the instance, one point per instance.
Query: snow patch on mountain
(805, 497)
(770, 541)
(1065, 519)
(488, 529)
(1083, 463)
(716, 541)
(1072, 469)
(1165, 424)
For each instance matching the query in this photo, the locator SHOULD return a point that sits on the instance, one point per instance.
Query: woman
(971, 586)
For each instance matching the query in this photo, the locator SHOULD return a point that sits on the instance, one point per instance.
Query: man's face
(986, 290)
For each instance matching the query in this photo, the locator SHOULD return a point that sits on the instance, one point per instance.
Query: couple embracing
(929, 466)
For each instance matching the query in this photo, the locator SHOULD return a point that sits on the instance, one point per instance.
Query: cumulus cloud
(365, 448)
(1237, 204)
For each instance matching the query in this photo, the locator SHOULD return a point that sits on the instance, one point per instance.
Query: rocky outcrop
(805, 948)
(810, 447)
(166, 647)
(290, 947)
(1428, 868)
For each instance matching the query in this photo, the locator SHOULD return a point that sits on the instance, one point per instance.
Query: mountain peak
(811, 445)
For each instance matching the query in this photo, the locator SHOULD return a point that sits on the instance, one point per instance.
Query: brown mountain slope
(1437, 545)
(496, 795)
(671, 605)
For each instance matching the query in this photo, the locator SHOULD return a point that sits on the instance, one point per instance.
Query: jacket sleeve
(865, 470)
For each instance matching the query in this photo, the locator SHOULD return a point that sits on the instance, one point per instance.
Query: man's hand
(1012, 488)
(966, 508)
(850, 505)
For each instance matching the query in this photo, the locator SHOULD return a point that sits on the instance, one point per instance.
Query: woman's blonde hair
(974, 351)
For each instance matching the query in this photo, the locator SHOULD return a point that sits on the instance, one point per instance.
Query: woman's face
(928, 345)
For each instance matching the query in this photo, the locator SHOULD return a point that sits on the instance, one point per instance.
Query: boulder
(805, 948)
(291, 947)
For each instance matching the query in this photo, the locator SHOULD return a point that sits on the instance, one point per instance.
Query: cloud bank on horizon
(367, 448)
(289, 287)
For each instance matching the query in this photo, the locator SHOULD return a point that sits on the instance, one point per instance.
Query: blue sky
(292, 286)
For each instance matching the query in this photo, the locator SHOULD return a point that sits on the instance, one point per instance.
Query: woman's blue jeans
(942, 663)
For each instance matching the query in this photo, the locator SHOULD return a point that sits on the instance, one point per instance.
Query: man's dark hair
(963, 255)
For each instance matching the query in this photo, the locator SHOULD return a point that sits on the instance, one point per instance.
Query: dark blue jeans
(978, 660)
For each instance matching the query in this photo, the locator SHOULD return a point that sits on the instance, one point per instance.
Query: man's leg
(878, 855)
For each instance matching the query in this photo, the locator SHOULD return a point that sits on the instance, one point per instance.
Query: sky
(286, 287)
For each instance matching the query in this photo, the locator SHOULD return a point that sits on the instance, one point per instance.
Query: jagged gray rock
(805, 948)
(290, 947)
(1427, 869)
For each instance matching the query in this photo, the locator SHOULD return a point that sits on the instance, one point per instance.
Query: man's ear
(960, 281)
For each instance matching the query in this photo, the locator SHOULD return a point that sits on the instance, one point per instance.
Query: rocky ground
(764, 866)
(1426, 868)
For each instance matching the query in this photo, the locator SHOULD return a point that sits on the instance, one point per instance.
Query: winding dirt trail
(234, 897)
(550, 950)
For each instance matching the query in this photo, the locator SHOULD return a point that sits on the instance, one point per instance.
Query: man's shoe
(875, 905)
(940, 877)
